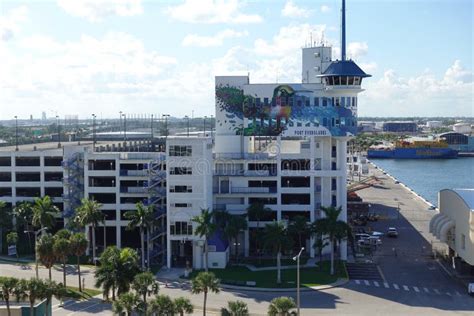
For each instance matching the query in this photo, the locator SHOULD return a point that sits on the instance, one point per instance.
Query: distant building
(458, 141)
(463, 128)
(434, 124)
(43, 116)
(400, 127)
(366, 127)
(454, 225)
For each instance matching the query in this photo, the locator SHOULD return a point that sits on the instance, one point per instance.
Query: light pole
(124, 128)
(36, 239)
(120, 121)
(93, 131)
(165, 116)
(151, 127)
(211, 126)
(187, 125)
(16, 133)
(204, 125)
(59, 131)
(297, 259)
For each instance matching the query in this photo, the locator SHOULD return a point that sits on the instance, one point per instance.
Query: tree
(319, 244)
(183, 305)
(45, 251)
(44, 213)
(145, 284)
(12, 239)
(276, 238)
(6, 220)
(117, 270)
(258, 211)
(333, 228)
(235, 225)
(89, 213)
(142, 218)
(78, 246)
(34, 289)
(162, 305)
(221, 218)
(299, 227)
(235, 308)
(24, 216)
(281, 306)
(205, 282)
(126, 303)
(205, 228)
(62, 249)
(7, 286)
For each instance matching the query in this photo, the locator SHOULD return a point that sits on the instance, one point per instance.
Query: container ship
(438, 149)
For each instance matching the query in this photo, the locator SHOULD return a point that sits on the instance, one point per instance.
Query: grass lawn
(271, 262)
(309, 276)
(87, 292)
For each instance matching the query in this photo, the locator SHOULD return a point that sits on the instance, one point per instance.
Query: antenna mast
(343, 30)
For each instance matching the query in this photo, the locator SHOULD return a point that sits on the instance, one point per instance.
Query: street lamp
(124, 127)
(187, 125)
(165, 116)
(297, 259)
(59, 131)
(36, 239)
(93, 131)
(204, 125)
(120, 122)
(16, 133)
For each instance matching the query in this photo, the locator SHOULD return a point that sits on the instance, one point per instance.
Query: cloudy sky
(105, 56)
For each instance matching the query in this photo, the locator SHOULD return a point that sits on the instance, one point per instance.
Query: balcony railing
(248, 156)
(140, 190)
(134, 173)
(240, 190)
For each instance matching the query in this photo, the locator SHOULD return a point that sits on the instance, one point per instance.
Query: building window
(298, 102)
(181, 171)
(463, 242)
(179, 151)
(182, 205)
(325, 101)
(357, 81)
(181, 228)
(265, 101)
(306, 101)
(343, 101)
(316, 101)
(181, 189)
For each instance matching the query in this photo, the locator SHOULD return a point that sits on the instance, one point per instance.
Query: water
(428, 177)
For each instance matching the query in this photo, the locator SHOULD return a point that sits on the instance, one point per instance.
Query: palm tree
(221, 218)
(235, 308)
(7, 285)
(281, 306)
(205, 282)
(125, 304)
(183, 305)
(333, 228)
(62, 249)
(142, 218)
(89, 213)
(258, 211)
(299, 227)
(276, 238)
(162, 305)
(235, 225)
(34, 289)
(117, 270)
(145, 284)
(6, 219)
(24, 216)
(44, 213)
(78, 244)
(205, 228)
(45, 251)
(319, 244)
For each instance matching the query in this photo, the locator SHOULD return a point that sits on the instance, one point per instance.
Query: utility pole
(124, 128)
(93, 132)
(204, 125)
(59, 130)
(187, 125)
(297, 259)
(165, 116)
(120, 121)
(16, 133)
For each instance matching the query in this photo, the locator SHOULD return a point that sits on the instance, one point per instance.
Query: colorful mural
(290, 106)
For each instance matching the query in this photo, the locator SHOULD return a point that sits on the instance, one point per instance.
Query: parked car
(392, 232)
(361, 236)
(470, 289)
(377, 234)
(374, 240)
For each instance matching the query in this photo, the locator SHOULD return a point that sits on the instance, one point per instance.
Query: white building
(454, 224)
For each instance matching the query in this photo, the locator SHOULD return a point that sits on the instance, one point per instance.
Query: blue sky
(104, 56)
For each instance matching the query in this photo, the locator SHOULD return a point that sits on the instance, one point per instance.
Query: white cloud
(96, 10)
(10, 22)
(211, 41)
(356, 50)
(325, 8)
(421, 95)
(211, 11)
(291, 10)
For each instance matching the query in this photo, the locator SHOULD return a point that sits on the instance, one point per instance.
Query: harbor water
(428, 176)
